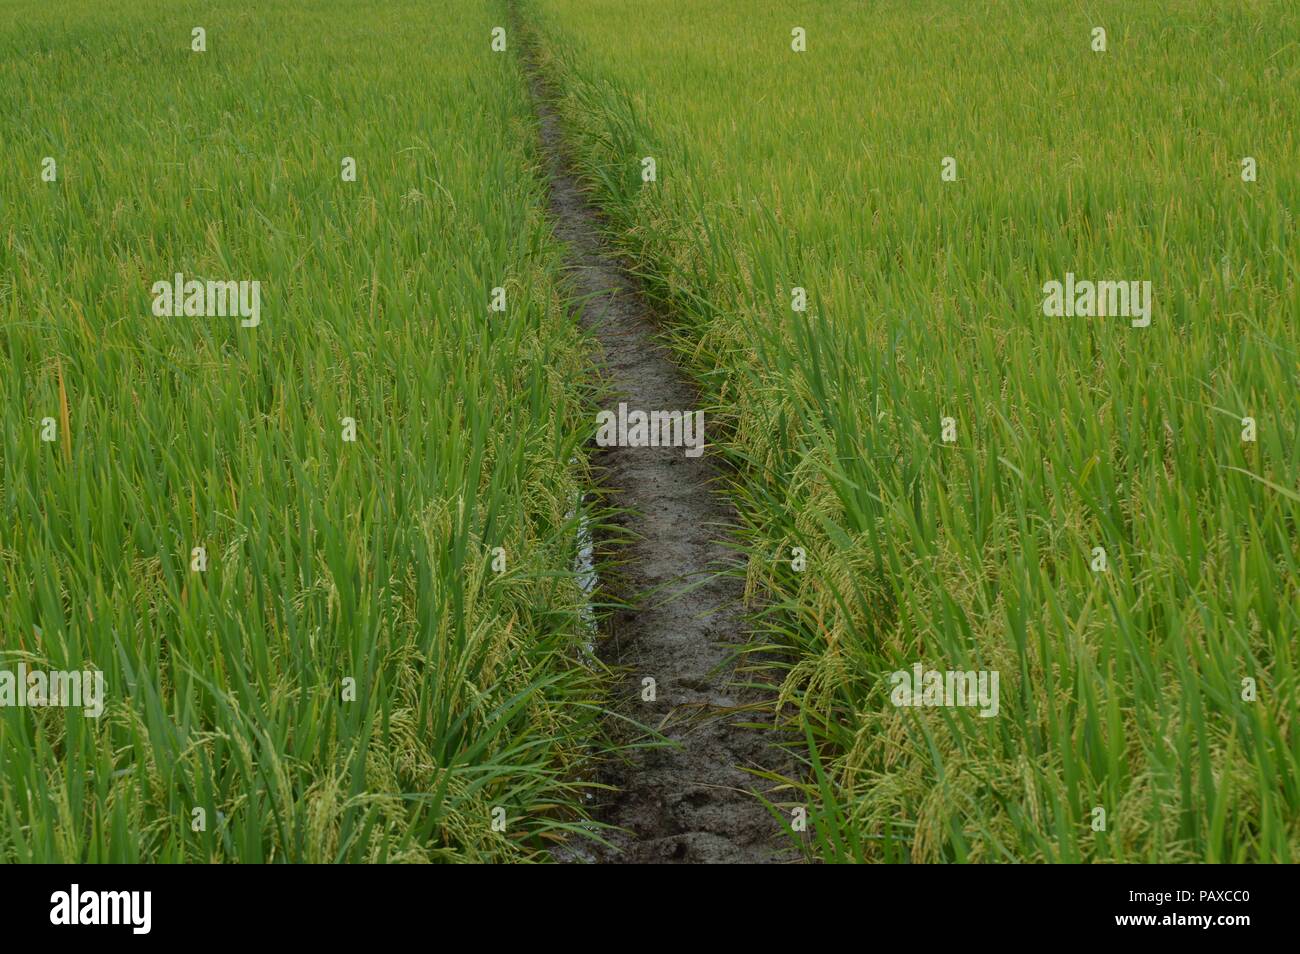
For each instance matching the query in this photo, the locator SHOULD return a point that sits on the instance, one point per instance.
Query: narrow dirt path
(691, 802)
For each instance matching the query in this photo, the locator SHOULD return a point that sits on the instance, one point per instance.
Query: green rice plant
(1126, 692)
(354, 675)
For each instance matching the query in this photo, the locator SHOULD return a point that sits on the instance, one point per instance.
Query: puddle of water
(584, 566)
(575, 851)
(584, 570)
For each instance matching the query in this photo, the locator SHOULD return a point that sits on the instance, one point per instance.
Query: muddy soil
(693, 801)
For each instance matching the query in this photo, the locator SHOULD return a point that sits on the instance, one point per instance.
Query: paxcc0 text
(1162, 897)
